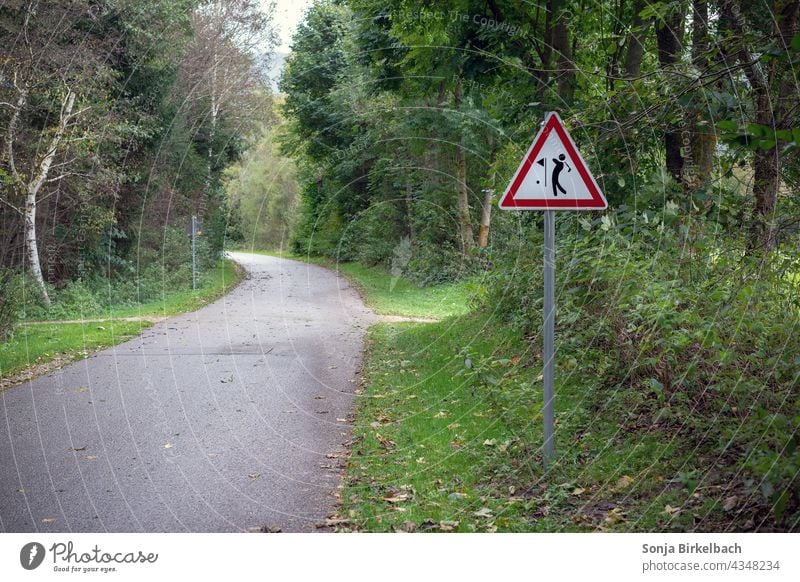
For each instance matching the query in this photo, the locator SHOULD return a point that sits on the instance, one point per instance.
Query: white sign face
(553, 175)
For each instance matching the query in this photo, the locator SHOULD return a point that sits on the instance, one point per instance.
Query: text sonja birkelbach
(68, 558)
(692, 548)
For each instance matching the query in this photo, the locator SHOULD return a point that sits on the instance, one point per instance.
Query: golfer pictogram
(558, 165)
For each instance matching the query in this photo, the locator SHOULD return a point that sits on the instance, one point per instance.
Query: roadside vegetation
(677, 326)
(663, 421)
(101, 319)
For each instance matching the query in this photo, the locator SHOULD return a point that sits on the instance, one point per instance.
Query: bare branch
(7, 203)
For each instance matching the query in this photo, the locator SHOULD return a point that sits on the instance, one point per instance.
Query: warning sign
(553, 175)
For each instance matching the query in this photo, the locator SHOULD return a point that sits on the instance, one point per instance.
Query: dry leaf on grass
(623, 482)
(615, 516)
(483, 512)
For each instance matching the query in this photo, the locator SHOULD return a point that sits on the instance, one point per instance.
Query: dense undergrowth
(149, 276)
(696, 339)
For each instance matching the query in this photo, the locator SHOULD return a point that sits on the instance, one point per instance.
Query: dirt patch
(33, 372)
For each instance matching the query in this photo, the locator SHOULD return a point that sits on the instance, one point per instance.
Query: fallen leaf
(168, 446)
(453, 426)
(409, 526)
(669, 510)
(50, 520)
(623, 482)
(90, 457)
(448, 525)
(490, 442)
(254, 476)
(385, 443)
(483, 512)
(441, 414)
(83, 448)
(396, 497)
(578, 491)
(730, 503)
(615, 516)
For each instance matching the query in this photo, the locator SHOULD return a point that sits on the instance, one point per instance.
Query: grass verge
(447, 437)
(35, 344)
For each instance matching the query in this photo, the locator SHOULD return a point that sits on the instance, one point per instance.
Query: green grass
(38, 343)
(389, 295)
(216, 282)
(441, 447)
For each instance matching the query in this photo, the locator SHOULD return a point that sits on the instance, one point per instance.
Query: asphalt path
(231, 418)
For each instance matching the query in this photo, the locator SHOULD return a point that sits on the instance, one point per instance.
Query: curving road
(230, 418)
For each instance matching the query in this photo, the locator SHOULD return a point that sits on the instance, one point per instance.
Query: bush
(660, 307)
(10, 302)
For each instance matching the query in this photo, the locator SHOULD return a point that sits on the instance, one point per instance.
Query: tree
(50, 73)
(225, 66)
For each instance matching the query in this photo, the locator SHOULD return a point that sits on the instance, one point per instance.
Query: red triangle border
(597, 202)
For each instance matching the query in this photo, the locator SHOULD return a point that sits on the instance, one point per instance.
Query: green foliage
(262, 191)
(10, 299)
(652, 304)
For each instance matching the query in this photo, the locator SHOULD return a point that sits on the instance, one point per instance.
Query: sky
(288, 13)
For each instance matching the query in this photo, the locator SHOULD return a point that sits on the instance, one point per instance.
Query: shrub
(10, 302)
(660, 307)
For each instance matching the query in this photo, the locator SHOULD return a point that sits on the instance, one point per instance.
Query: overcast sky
(288, 13)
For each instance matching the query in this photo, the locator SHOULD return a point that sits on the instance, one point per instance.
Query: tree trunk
(32, 191)
(486, 213)
(486, 216)
(462, 192)
(765, 190)
(32, 248)
(699, 155)
(635, 52)
(412, 235)
(563, 48)
(669, 37)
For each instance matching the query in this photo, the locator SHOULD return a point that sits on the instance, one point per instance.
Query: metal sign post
(194, 253)
(549, 330)
(552, 176)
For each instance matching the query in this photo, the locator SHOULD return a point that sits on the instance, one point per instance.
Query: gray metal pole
(194, 253)
(549, 330)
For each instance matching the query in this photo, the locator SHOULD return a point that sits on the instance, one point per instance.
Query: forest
(118, 119)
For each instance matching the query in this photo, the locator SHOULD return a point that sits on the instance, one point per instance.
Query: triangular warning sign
(553, 175)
